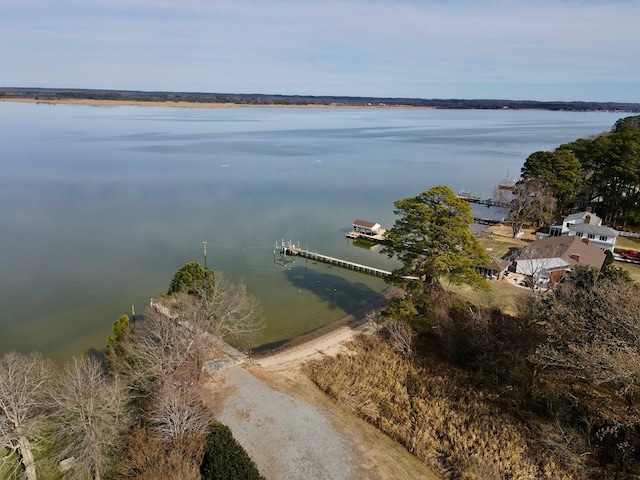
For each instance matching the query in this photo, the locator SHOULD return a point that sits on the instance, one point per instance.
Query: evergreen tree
(225, 459)
(433, 241)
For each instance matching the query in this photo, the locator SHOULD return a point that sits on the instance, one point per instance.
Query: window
(591, 236)
(603, 238)
(579, 234)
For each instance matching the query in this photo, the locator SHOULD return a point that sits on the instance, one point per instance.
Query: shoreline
(182, 104)
(327, 340)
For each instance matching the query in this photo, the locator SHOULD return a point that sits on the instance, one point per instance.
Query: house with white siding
(603, 237)
(580, 218)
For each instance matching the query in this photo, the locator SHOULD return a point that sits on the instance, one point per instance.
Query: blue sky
(510, 49)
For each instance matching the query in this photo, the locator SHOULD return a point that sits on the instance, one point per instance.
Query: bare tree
(593, 334)
(162, 349)
(591, 355)
(399, 332)
(24, 387)
(222, 309)
(177, 413)
(529, 200)
(92, 417)
(183, 331)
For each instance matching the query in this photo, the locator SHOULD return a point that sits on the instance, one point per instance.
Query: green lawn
(634, 270)
(627, 243)
(498, 242)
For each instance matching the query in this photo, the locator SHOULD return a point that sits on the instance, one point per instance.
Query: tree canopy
(432, 239)
(560, 169)
(188, 278)
(609, 171)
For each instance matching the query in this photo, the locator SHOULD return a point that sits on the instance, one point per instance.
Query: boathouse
(366, 227)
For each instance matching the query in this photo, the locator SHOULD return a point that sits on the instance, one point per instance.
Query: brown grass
(498, 239)
(379, 457)
(433, 410)
(146, 457)
(503, 295)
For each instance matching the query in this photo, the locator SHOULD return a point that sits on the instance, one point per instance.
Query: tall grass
(438, 412)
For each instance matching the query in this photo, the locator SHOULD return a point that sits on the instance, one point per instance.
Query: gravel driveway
(287, 438)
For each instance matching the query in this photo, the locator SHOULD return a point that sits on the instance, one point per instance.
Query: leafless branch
(24, 387)
(92, 417)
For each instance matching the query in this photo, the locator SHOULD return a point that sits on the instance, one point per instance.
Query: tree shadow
(354, 298)
(336, 291)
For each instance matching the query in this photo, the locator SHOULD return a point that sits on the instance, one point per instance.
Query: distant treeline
(56, 94)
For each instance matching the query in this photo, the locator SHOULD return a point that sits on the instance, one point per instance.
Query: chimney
(585, 240)
(587, 219)
(575, 256)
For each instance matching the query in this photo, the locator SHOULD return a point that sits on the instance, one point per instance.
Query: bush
(225, 459)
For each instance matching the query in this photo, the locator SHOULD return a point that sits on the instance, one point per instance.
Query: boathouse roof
(364, 223)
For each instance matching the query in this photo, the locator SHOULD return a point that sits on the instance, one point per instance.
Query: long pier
(291, 249)
(475, 198)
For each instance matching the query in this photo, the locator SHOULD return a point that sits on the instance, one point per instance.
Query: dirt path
(293, 431)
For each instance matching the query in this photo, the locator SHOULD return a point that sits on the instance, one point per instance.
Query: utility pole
(204, 245)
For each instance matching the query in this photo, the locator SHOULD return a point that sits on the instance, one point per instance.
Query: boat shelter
(366, 227)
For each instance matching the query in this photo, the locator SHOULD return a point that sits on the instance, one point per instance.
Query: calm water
(99, 206)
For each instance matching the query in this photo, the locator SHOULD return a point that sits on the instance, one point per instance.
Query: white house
(580, 218)
(603, 237)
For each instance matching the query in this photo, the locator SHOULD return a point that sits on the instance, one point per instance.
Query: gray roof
(594, 229)
(582, 215)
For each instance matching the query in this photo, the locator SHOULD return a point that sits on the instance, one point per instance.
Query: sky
(578, 50)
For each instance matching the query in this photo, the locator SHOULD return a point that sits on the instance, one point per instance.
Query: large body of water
(99, 206)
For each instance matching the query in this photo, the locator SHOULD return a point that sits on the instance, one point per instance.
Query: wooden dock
(379, 237)
(489, 202)
(486, 221)
(292, 250)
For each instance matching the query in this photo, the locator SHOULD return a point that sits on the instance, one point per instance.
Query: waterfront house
(603, 237)
(585, 225)
(584, 218)
(548, 259)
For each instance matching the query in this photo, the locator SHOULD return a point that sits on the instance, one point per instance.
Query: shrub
(225, 459)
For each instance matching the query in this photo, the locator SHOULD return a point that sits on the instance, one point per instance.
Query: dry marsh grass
(503, 295)
(434, 410)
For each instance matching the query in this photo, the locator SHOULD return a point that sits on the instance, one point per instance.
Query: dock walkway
(291, 249)
(299, 252)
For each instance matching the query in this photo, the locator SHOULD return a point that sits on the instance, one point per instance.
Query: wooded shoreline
(225, 100)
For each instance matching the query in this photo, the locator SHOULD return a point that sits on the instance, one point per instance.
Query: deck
(378, 237)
